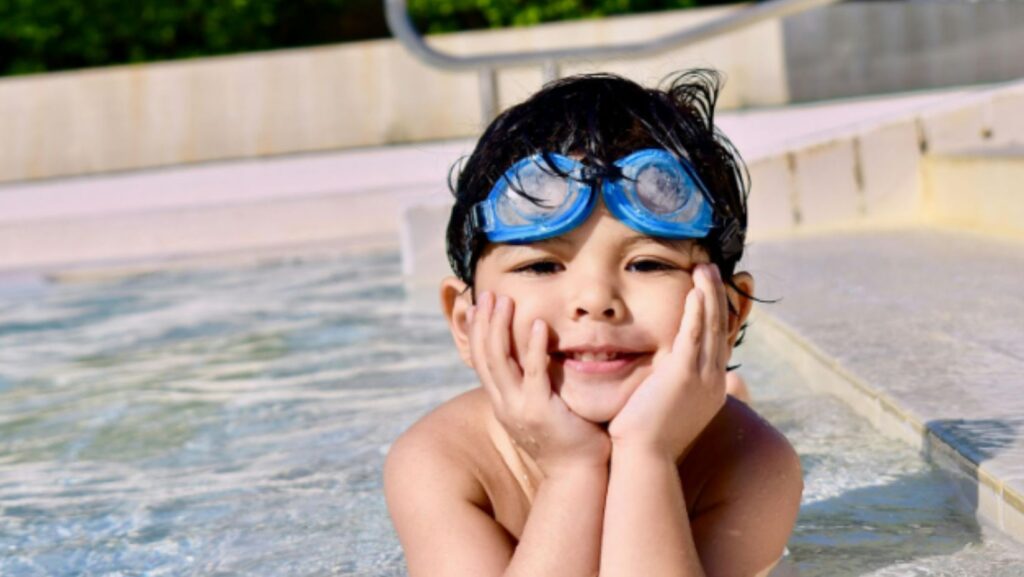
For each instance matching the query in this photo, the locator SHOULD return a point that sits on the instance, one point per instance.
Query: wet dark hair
(603, 117)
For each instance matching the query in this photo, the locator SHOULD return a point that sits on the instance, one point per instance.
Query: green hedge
(41, 35)
(451, 15)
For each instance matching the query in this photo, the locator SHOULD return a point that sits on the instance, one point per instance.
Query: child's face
(600, 286)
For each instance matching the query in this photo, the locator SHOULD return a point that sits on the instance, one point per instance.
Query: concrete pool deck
(920, 331)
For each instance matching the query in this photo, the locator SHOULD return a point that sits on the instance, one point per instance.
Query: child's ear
(455, 302)
(741, 304)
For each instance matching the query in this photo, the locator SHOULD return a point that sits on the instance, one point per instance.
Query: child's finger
(711, 349)
(687, 344)
(478, 346)
(499, 354)
(723, 313)
(536, 385)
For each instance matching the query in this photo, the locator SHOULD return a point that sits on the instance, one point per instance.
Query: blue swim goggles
(651, 191)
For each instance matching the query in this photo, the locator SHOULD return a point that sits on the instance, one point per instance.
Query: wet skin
(595, 337)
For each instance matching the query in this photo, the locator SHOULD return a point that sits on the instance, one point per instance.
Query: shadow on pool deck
(979, 440)
(978, 445)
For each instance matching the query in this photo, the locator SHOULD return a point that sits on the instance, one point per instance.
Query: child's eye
(540, 267)
(650, 266)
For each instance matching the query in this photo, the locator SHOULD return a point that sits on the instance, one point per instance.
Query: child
(595, 233)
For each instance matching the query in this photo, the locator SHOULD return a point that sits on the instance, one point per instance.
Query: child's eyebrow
(680, 244)
(683, 245)
(546, 244)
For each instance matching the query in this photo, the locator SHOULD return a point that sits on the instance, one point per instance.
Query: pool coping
(994, 500)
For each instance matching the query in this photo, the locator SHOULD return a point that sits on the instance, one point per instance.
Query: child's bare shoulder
(743, 454)
(450, 449)
(443, 443)
(444, 488)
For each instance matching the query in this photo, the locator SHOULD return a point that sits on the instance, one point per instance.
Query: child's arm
(436, 505)
(646, 528)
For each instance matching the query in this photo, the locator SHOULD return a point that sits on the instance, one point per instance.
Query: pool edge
(995, 501)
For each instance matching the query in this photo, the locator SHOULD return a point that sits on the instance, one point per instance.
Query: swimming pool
(233, 421)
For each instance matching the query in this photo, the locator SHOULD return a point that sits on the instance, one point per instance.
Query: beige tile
(1013, 515)
(889, 157)
(976, 190)
(1008, 117)
(959, 127)
(894, 423)
(990, 498)
(827, 191)
(770, 205)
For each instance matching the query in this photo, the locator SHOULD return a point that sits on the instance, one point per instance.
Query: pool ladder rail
(550, 61)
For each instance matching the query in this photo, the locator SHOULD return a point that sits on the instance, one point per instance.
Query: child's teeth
(592, 357)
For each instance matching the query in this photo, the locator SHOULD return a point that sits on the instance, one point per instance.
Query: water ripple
(234, 421)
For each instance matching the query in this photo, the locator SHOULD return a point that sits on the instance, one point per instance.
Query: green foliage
(40, 35)
(451, 15)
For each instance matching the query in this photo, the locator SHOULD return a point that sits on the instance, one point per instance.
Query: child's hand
(687, 388)
(536, 419)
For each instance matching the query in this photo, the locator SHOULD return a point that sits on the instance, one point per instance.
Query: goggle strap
(481, 217)
(731, 238)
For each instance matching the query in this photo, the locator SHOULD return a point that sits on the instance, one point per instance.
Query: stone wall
(860, 48)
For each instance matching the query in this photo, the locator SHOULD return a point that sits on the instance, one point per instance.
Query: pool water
(234, 420)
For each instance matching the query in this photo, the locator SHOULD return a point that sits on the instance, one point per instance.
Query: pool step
(921, 332)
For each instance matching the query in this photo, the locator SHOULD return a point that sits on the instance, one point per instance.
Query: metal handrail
(487, 63)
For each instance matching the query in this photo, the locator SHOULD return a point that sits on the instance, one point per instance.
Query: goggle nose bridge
(591, 174)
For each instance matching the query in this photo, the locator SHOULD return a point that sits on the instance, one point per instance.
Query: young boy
(594, 236)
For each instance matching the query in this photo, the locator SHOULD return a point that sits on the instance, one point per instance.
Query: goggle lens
(667, 193)
(659, 190)
(535, 195)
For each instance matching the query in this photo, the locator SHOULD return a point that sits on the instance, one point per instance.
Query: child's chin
(595, 406)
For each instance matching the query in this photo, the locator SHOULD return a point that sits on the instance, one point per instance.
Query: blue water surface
(233, 421)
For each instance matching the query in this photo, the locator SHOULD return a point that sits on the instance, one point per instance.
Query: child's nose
(599, 303)
(608, 313)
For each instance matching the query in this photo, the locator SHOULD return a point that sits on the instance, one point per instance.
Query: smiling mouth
(589, 357)
(597, 362)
